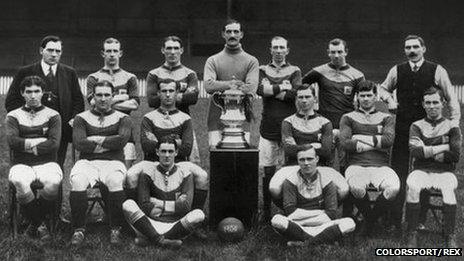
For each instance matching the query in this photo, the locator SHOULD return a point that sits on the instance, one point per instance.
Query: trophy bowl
(233, 117)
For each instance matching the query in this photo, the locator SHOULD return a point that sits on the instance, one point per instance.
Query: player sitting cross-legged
(33, 134)
(165, 193)
(310, 205)
(434, 143)
(366, 135)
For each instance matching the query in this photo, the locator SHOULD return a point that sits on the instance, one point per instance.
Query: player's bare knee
(391, 192)
(358, 192)
(346, 225)
(130, 206)
(342, 193)
(201, 182)
(79, 181)
(195, 216)
(132, 179)
(449, 197)
(114, 181)
(131, 211)
(279, 221)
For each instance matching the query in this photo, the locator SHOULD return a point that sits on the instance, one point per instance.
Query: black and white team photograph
(231, 130)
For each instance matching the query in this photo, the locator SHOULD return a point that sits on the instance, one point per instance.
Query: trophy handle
(218, 101)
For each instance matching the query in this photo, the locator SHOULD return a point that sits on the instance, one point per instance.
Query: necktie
(50, 74)
(415, 68)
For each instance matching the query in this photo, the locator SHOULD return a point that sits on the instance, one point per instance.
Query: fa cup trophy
(232, 116)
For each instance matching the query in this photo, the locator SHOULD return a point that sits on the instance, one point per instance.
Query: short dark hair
(337, 41)
(306, 86)
(432, 90)
(110, 40)
(170, 139)
(415, 37)
(366, 86)
(232, 21)
(28, 81)
(173, 38)
(49, 38)
(103, 83)
(278, 38)
(305, 148)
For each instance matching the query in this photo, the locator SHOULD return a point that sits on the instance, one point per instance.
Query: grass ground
(261, 243)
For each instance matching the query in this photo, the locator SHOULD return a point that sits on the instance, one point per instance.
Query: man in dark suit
(61, 93)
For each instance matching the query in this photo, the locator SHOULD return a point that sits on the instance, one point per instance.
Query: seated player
(275, 186)
(100, 135)
(310, 205)
(165, 193)
(367, 135)
(126, 98)
(434, 143)
(34, 134)
(166, 120)
(306, 128)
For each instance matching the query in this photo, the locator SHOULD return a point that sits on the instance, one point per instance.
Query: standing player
(310, 205)
(60, 93)
(367, 136)
(33, 133)
(410, 79)
(126, 98)
(100, 135)
(435, 147)
(337, 82)
(184, 79)
(232, 68)
(165, 194)
(277, 84)
(306, 128)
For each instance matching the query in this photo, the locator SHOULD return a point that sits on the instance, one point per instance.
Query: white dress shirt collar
(419, 63)
(46, 68)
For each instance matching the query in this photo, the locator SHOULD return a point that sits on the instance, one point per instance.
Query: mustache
(412, 55)
(232, 38)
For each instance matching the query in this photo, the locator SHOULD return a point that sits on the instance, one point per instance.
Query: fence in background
(5, 82)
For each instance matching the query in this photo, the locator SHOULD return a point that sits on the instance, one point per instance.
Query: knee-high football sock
(78, 202)
(412, 215)
(295, 232)
(449, 216)
(268, 173)
(115, 200)
(328, 235)
(47, 208)
(177, 231)
(143, 225)
(131, 193)
(31, 212)
(199, 198)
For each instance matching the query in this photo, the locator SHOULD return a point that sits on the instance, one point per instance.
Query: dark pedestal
(233, 186)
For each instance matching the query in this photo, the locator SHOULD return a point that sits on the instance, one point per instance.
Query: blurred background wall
(374, 31)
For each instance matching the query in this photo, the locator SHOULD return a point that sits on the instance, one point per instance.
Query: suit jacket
(70, 95)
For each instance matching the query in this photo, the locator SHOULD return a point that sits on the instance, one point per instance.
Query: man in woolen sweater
(232, 68)
(410, 79)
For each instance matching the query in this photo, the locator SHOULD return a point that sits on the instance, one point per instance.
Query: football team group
(382, 158)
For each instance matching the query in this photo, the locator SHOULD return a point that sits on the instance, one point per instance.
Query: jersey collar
(170, 112)
(344, 67)
(33, 110)
(171, 68)
(434, 122)
(166, 172)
